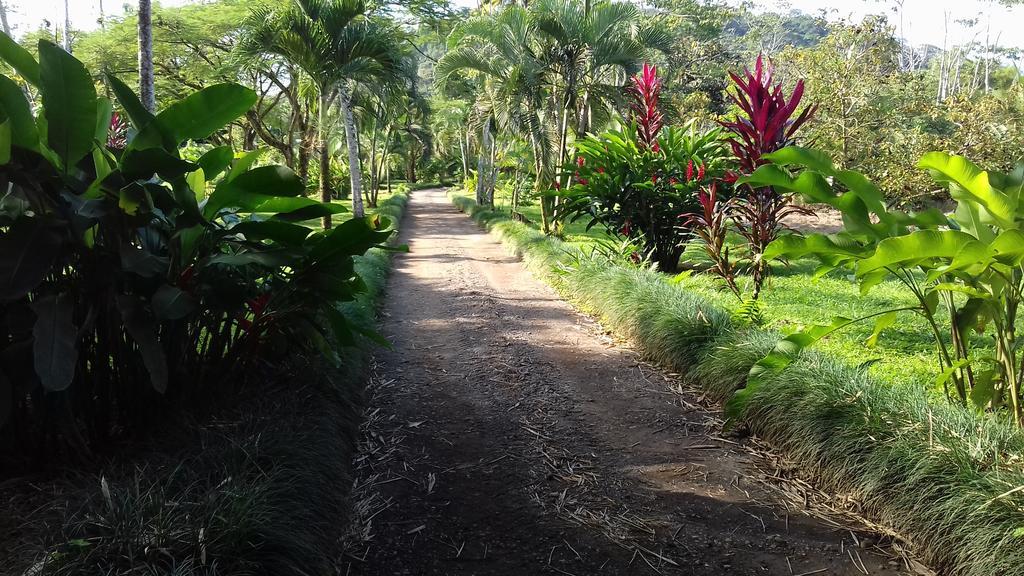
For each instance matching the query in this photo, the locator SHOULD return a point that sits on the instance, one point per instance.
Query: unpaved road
(509, 436)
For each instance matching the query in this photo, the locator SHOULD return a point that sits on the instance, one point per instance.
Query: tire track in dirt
(509, 436)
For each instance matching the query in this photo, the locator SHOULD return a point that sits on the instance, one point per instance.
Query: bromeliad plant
(636, 181)
(131, 278)
(767, 121)
(969, 266)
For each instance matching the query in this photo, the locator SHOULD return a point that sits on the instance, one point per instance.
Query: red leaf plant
(649, 120)
(768, 122)
(711, 223)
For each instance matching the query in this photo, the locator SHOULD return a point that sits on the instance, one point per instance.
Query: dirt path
(508, 436)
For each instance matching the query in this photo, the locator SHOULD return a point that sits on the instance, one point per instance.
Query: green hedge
(941, 476)
(261, 489)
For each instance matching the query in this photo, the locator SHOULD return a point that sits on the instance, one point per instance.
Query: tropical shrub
(765, 123)
(967, 266)
(131, 278)
(638, 180)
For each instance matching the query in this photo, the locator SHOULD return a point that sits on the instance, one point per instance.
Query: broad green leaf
(5, 142)
(133, 197)
(103, 162)
(27, 253)
(828, 248)
(273, 180)
(984, 388)
(143, 164)
(912, 249)
(310, 212)
(267, 259)
(197, 183)
(141, 326)
(970, 183)
(69, 102)
(245, 161)
(202, 113)
(216, 161)
(171, 303)
(130, 103)
(24, 133)
(353, 237)
(882, 323)
(104, 112)
(54, 347)
(19, 59)
(814, 159)
(943, 378)
(281, 232)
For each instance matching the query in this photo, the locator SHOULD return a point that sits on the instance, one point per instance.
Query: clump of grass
(948, 479)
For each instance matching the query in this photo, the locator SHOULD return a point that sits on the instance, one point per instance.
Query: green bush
(131, 278)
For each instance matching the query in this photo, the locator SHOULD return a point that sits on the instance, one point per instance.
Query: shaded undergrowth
(949, 480)
(260, 488)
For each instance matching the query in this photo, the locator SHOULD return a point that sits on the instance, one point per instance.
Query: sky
(923, 19)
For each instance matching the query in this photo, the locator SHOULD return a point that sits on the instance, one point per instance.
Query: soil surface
(508, 435)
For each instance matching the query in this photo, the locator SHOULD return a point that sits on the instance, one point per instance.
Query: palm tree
(550, 68)
(592, 49)
(338, 45)
(147, 90)
(503, 51)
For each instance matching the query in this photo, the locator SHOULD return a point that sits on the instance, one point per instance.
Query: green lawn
(905, 354)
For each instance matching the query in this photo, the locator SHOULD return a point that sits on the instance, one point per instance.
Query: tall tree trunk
(481, 162)
(67, 28)
(492, 179)
(147, 91)
(371, 190)
(465, 162)
(352, 143)
(325, 153)
(103, 17)
(3, 18)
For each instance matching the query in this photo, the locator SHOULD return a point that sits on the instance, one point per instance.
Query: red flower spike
(583, 181)
(117, 133)
(654, 178)
(689, 171)
(673, 181)
(600, 169)
(580, 161)
(649, 120)
(558, 186)
(700, 172)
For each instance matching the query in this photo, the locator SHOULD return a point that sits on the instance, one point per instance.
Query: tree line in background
(500, 93)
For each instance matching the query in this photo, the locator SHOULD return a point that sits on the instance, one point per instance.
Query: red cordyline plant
(711, 224)
(649, 120)
(768, 122)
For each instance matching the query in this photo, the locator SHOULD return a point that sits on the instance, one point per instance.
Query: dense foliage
(133, 277)
(638, 180)
(966, 266)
